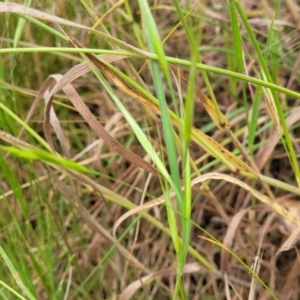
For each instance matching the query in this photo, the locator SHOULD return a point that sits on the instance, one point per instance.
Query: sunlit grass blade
(37, 154)
(155, 46)
(25, 126)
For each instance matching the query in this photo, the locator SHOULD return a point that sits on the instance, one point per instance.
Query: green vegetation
(149, 150)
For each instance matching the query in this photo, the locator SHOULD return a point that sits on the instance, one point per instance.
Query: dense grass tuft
(149, 150)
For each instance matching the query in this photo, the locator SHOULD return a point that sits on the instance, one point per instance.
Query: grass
(165, 168)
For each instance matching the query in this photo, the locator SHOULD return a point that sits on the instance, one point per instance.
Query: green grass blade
(11, 290)
(25, 126)
(20, 27)
(288, 142)
(238, 57)
(253, 119)
(37, 154)
(15, 274)
(155, 46)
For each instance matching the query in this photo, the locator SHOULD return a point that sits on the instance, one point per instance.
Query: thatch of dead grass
(164, 168)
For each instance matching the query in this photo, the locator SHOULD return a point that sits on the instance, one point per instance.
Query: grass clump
(149, 150)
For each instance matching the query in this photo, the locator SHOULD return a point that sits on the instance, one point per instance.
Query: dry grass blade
(48, 84)
(24, 10)
(265, 152)
(270, 103)
(256, 265)
(13, 140)
(239, 165)
(138, 209)
(294, 11)
(134, 286)
(266, 200)
(110, 11)
(80, 70)
(94, 125)
(294, 73)
(228, 239)
(290, 242)
(255, 268)
(293, 206)
(51, 119)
